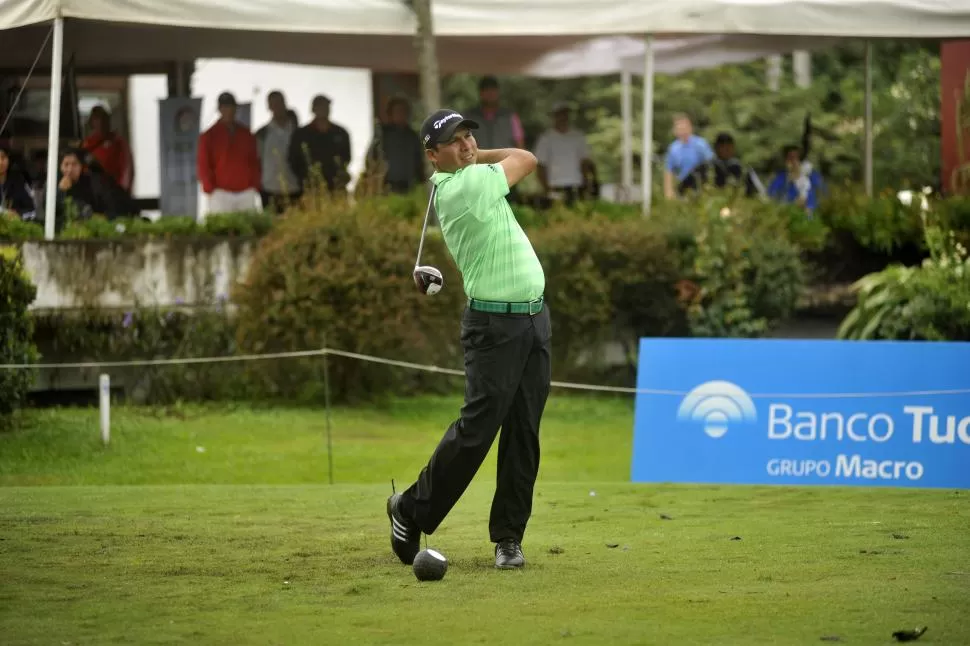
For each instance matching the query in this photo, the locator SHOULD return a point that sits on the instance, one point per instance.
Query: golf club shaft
(424, 229)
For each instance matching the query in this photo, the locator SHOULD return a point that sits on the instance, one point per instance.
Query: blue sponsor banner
(803, 412)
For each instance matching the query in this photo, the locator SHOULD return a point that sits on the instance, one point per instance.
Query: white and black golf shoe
(405, 535)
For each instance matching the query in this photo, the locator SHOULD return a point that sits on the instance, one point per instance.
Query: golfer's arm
(516, 162)
(495, 156)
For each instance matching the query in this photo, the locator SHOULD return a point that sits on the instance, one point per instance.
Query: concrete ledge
(72, 274)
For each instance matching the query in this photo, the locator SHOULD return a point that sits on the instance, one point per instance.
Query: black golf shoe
(405, 535)
(508, 554)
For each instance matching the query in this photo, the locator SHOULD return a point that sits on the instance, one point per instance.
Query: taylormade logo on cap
(441, 122)
(440, 125)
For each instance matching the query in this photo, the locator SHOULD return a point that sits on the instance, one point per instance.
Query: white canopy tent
(472, 36)
(537, 18)
(608, 55)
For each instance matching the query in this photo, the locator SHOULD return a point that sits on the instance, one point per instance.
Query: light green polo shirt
(496, 259)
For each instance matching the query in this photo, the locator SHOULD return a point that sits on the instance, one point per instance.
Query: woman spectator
(799, 183)
(109, 148)
(84, 192)
(15, 197)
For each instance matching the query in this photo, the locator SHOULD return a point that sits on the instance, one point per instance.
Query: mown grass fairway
(258, 549)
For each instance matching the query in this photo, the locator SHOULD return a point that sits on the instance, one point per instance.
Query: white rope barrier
(450, 371)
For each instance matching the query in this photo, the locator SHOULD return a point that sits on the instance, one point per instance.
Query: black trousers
(508, 369)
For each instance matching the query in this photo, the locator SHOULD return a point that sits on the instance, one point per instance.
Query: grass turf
(149, 559)
(583, 438)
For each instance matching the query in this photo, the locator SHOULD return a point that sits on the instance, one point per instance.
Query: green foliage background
(735, 98)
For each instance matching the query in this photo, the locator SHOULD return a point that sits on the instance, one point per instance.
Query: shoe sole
(510, 567)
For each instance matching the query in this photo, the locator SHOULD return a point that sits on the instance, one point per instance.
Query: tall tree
(424, 42)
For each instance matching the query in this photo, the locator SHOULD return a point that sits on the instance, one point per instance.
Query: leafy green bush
(155, 332)
(929, 302)
(953, 214)
(607, 281)
(742, 272)
(16, 330)
(342, 278)
(882, 224)
(17, 230)
(100, 228)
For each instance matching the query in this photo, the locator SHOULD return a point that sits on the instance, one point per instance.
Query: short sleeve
(482, 186)
(669, 163)
(707, 150)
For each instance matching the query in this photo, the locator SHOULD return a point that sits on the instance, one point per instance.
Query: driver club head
(428, 280)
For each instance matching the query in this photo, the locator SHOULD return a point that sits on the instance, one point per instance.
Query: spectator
(564, 159)
(84, 191)
(399, 148)
(498, 126)
(280, 185)
(16, 199)
(324, 143)
(684, 154)
(228, 162)
(727, 170)
(109, 148)
(799, 183)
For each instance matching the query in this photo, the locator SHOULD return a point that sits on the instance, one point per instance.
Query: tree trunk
(427, 56)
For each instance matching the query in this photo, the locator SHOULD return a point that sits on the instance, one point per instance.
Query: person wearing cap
(324, 144)
(566, 167)
(228, 162)
(505, 336)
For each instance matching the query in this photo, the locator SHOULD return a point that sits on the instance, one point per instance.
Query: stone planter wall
(131, 273)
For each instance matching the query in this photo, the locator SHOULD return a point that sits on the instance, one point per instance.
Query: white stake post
(104, 385)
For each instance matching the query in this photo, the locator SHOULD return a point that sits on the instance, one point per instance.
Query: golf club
(427, 278)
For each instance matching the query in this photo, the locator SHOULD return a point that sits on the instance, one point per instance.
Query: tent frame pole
(54, 130)
(646, 156)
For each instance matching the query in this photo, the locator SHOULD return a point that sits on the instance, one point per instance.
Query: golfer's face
(459, 152)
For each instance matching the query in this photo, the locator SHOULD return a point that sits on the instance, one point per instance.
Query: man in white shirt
(566, 170)
(280, 185)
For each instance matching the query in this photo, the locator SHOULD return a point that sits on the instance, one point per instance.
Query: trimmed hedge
(101, 228)
(16, 332)
(343, 279)
(341, 276)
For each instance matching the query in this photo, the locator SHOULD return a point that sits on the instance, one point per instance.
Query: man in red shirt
(228, 162)
(109, 148)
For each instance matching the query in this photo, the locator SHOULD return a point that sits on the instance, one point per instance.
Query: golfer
(505, 334)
